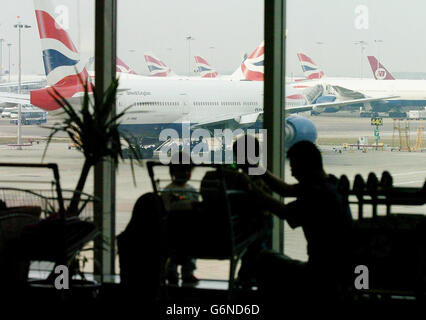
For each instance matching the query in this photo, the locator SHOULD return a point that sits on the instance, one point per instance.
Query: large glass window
(339, 51)
(188, 66)
(57, 38)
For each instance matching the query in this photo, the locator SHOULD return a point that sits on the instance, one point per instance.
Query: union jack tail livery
(123, 68)
(156, 67)
(310, 69)
(252, 67)
(379, 71)
(206, 71)
(63, 67)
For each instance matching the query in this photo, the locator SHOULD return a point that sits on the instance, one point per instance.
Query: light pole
(169, 57)
(321, 63)
(19, 25)
(362, 45)
(8, 46)
(211, 55)
(1, 57)
(378, 52)
(189, 38)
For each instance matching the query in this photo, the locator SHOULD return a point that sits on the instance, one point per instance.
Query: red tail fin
(379, 71)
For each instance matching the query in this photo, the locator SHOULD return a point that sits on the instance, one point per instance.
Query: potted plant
(94, 129)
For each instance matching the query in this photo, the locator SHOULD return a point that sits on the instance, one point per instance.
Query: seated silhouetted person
(325, 220)
(142, 251)
(160, 226)
(179, 196)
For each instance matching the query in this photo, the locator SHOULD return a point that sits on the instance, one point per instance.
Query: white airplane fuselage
(165, 102)
(406, 92)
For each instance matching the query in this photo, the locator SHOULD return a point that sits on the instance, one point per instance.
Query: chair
(220, 227)
(14, 269)
(391, 246)
(54, 236)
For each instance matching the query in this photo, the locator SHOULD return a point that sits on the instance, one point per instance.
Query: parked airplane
(123, 68)
(205, 70)
(251, 68)
(156, 67)
(405, 93)
(379, 71)
(28, 82)
(120, 68)
(402, 93)
(160, 103)
(310, 69)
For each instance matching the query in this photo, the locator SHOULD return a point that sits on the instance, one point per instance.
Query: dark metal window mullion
(274, 95)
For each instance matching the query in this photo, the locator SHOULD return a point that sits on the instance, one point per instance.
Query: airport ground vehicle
(416, 114)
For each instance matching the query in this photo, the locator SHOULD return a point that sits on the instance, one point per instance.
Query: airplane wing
(345, 92)
(23, 83)
(335, 104)
(14, 98)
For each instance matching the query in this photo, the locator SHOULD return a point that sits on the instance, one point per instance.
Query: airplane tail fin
(61, 58)
(206, 71)
(309, 67)
(379, 71)
(156, 67)
(252, 67)
(120, 66)
(123, 68)
(63, 67)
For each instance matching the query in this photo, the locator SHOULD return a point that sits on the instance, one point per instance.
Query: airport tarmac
(407, 168)
(332, 130)
(339, 130)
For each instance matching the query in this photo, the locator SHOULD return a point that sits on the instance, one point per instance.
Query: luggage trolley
(39, 219)
(220, 225)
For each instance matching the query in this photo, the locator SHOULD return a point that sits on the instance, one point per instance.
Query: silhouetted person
(179, 196)
(251, 214)
(247, 153)
(326, 221)
(142, 252)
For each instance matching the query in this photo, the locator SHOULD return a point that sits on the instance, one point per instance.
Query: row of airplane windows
(157, 103)
(197, 103)
(225, 103)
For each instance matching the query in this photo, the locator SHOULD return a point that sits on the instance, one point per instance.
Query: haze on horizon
(226, 29)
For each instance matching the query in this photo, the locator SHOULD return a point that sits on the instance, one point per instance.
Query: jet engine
(298, 129)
